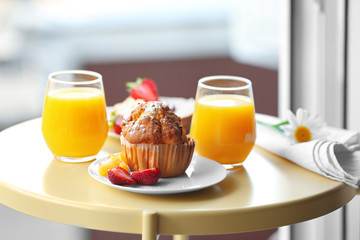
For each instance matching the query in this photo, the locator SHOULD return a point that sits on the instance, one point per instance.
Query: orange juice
(74, 121)
(224, 127)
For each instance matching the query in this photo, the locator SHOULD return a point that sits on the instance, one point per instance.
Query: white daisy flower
(304, 126)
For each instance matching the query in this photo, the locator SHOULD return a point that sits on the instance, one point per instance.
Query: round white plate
(114, 135)
(201, 173)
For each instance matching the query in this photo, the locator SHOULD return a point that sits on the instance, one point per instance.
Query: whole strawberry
(143, 88)
(120, 176)
(148, 176)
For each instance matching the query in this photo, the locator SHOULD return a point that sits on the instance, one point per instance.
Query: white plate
(201, 173)
(113, 135)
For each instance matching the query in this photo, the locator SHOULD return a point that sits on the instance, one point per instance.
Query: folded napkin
(336, 157)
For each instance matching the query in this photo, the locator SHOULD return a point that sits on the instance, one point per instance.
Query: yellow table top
(268, 192)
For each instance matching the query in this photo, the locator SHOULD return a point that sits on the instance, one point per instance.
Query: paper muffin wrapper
(172, 160)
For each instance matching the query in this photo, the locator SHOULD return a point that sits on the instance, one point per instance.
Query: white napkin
(336, 157)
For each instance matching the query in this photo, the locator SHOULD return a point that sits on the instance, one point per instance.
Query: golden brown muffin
(153, 136)
(154, 123)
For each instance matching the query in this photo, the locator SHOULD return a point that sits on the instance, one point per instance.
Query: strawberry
(148, 176)
(117, 124)
(120, 176)
(143, 88)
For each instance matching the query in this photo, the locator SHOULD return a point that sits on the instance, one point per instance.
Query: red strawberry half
(117, 124)
(120, 176)
(143, 88)
(148, 176)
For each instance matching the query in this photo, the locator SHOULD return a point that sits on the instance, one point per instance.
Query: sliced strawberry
(148, 176)
(117, 124)
(120, 176)
(143, 88)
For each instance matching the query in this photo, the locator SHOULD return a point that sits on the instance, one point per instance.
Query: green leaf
(131, 85)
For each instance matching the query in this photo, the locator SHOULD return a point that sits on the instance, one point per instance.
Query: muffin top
(154, 123)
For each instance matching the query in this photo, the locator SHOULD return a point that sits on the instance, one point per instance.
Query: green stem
(275, 127)
(264, 123)
(282, 123)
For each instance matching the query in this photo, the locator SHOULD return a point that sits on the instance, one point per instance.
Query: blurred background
(173, 42)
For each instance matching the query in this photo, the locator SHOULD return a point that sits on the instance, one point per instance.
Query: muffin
(183, 107)
(153, 136)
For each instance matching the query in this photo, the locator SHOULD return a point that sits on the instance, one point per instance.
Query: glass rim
(84, 72)
(225, 77)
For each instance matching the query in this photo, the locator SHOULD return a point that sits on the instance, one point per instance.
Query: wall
(179, 78)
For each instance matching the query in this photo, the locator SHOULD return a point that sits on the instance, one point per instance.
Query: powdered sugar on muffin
(154, 123)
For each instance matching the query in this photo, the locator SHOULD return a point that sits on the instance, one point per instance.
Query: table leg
(180, 237)
(149, 225)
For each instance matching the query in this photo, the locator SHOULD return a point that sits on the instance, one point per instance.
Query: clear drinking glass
(74, 121)
(223, 122)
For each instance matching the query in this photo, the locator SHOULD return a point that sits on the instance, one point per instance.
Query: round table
(267, 192)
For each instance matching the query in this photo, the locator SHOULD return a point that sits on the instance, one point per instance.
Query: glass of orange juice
(74, 121)
(223, 122)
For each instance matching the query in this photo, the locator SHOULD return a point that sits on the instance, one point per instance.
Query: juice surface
(74, 121)
(224, 127)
